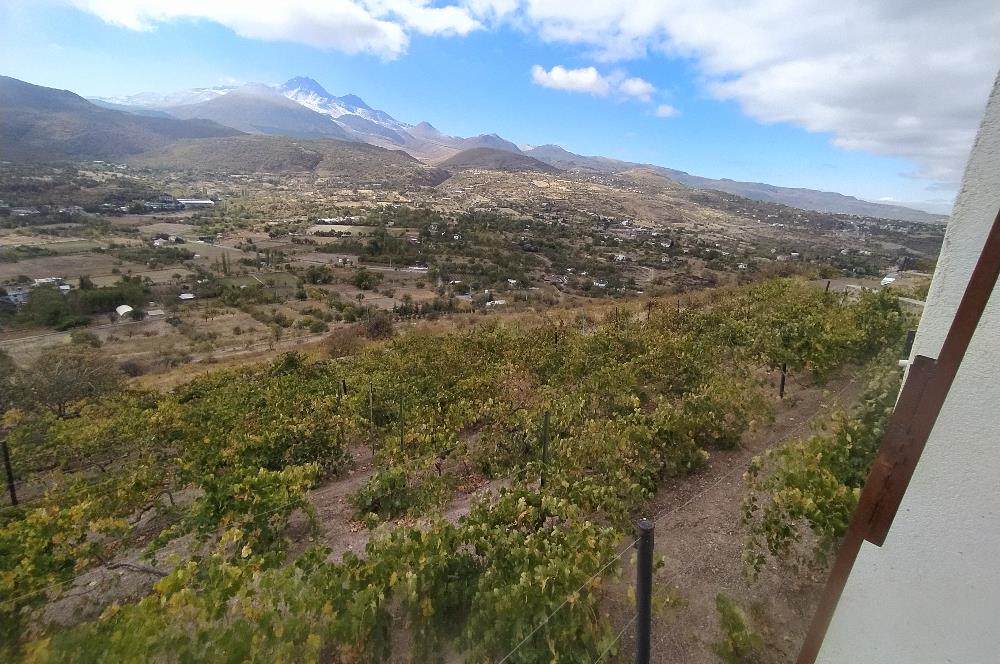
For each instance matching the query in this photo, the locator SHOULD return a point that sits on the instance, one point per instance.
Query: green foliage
(738, 643)
(813, 484)
(154, 256)
(38, 548)
(630, 401)
(365, 279)
(488, 581)
(50, 308)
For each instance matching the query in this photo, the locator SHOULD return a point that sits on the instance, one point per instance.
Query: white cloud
(586, 79)
(637, 88)
(591, 81)
(666, 111)
(381, 27)
(903, 78)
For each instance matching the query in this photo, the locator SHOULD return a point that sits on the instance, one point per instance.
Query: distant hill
(566, 160)
(347, 162)
(489, 141)
(45, 124)
(259, 109)
(40, 126)
(808, 199)
(495, 159)
(137, 110)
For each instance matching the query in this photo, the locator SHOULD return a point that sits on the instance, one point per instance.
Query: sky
(879, 99)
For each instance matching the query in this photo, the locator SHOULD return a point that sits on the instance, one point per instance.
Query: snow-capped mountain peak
(312, 95)
(305, 85)
(158, 100)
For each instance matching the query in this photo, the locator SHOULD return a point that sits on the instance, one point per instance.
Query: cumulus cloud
(666, 111)
(903, 78)
(381, 27)
(637, 88)
(586, 79)
(591, 81)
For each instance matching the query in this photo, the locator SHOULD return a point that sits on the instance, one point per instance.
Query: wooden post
(401, 427)
(781, 385)
(827, 286)
(545, 448)
(9, 470)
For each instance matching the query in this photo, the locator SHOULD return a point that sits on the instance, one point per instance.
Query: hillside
(60, 125)
(44, 124)
(258, 109)
(806, 199)
(356, 163)
(495, 159)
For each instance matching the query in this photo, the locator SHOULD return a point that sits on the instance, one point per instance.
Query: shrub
(380, 326)
(738, 643)
(84, 338)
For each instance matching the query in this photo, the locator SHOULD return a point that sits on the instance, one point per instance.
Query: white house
(931, 592)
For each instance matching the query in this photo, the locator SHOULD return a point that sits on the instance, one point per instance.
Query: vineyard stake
(371, 408)
(401, 426)
(9, 471)
(545, 448)
(781, 385)
(644, 591)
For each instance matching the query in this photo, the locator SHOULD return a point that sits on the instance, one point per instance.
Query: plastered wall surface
(931, 594)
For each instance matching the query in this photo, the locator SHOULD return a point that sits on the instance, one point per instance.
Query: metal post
(10, 472)
(781, 385)
(827, 286)
(545, 448)
(644, 591)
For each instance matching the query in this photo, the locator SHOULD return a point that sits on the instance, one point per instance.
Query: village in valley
(164, 267)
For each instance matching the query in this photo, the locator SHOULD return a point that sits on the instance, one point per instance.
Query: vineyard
(557, 434)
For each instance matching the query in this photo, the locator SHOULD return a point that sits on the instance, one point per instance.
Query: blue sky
(741, 117)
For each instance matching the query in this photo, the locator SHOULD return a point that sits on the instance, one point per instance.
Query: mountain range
(68, 126)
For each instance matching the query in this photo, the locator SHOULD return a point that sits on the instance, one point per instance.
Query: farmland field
(403, 482)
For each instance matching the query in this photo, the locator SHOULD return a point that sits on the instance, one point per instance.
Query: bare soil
(699, 533)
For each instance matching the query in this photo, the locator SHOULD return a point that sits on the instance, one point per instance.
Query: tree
(366, 280)
(62, 376)
(380, 326)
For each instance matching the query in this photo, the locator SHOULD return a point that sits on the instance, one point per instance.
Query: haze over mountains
(41, 123)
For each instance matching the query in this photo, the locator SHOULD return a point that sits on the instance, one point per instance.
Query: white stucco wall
(931, 594)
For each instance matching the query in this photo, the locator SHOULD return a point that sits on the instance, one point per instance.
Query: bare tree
(62, 376)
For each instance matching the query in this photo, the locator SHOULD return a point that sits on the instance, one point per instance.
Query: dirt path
(338, 529)
(700, 535)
